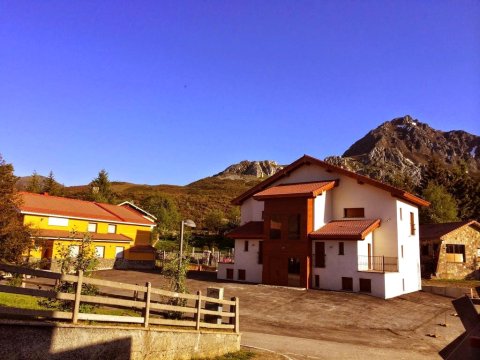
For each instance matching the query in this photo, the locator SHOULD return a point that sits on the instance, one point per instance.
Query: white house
(315, 225)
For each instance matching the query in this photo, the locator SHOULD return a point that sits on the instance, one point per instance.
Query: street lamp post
(188, 223)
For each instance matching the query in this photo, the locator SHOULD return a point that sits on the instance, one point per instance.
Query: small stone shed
(450, 250)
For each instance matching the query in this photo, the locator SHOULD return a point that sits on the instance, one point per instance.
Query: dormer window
(354, 212)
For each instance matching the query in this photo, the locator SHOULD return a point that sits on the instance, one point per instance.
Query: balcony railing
(377, 263)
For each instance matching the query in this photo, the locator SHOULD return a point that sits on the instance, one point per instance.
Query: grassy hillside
(194, 200)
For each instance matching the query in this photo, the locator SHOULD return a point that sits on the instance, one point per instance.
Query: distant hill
(194, 200)
(23, 181)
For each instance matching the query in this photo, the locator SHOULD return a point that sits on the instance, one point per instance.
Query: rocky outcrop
(405, 146)
(258, 169)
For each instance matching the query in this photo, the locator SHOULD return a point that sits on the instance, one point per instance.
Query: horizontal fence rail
(377, 263)
(155, 307)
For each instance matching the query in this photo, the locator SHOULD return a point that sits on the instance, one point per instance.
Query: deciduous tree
(15, 238)
(443, 206)
(165, 210)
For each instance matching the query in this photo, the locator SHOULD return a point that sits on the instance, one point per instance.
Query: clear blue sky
(170, 92)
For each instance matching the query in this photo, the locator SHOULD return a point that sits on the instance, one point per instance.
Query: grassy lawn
(19, 301)
(31, 302)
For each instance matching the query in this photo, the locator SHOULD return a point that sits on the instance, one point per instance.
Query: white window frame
(74, 250)
(57, 221)
(90, 226)
(119, 254)
(101, 254)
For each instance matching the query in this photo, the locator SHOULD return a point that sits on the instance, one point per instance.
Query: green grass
(19, 301)
(31, 302)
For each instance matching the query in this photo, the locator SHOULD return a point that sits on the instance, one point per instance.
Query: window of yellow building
(92, 228)
(56, 221)
(74, 250)
(112, 229)
(100, 251)
(119, 252)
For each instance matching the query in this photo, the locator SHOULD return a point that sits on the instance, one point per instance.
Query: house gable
(284, 175)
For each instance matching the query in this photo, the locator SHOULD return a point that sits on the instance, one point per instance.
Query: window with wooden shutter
(241, 274)
(354, 212)
(320, 254)
(412, 223)
(347, 283)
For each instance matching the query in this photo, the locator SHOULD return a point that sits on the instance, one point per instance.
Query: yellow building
(121, 233)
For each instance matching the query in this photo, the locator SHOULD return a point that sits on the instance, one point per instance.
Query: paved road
(301, 349)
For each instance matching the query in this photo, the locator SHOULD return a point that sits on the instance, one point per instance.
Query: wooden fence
(153, 310)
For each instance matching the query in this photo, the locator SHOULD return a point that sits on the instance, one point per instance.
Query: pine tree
(15, 238)
(101, 188)
(34, 183)
(50, 185)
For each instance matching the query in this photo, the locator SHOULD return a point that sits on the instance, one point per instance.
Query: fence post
(78, 294)
(235, 321)
(237, 316)
(198, 305)
(148, 295)
(216, 293)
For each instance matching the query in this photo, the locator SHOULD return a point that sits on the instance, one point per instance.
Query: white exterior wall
(244, 260)
(378, 204)
(409, 265)
(386, 240)
(338, 266)
(322, 209)
(362, 245)
(251, 210)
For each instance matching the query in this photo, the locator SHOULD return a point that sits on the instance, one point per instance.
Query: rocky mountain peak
(259, 169)
(405, 145)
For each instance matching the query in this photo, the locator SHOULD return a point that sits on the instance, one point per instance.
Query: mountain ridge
(398, 152)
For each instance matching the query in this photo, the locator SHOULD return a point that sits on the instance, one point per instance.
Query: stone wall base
(31, 340)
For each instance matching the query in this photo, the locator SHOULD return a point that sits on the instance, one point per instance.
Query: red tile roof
(66, 207)
(436, 231)
(309, 189)
(65, 234)
(305, 160)
(346, 229)
(250, 230)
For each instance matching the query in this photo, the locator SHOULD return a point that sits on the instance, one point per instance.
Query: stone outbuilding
(450, 250)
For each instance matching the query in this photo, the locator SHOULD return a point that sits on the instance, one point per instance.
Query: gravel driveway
(318, 324)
